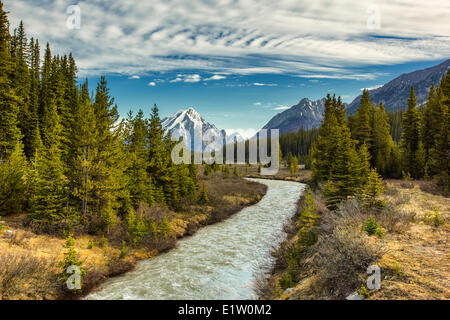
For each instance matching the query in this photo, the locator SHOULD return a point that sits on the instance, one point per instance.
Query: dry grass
(417, 264)
(29, 261)
(413, 255)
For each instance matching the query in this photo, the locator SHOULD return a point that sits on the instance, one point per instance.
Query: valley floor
(29, 262)
(413, 254)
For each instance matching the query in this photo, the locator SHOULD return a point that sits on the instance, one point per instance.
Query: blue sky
(239, 62)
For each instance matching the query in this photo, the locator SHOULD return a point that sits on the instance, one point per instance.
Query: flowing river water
(220, 261)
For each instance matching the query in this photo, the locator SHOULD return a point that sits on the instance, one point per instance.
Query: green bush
(103, 242)
(373, 228)
(433, 219)
(137, 228)
(71, 259)
(363, 292)
(123, 250)
(91, 245)
(286, 281)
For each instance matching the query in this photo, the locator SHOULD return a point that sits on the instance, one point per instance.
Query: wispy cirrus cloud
(312, 39)
(259, 84)
(279, 108)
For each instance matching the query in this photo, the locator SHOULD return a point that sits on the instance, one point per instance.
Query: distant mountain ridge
(306, 114)
(395, 93)
(190, 125)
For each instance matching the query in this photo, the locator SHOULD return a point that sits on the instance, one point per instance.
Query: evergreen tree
(108, 161)
(49, 203)
(372, 190)
(439, 154)
(13, 182)
(158, 156)
(362, 129)
(411, 134)
(203, 196)
(324, 150)
(345, 179)
(382, 140)
(136, 142)
(9, 101)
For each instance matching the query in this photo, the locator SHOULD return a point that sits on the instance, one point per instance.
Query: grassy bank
(29, 262)
(411, 249)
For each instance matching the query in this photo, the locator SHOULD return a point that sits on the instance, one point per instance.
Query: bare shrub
(19, 268)
(400, 199)
(343, 252)
(397, 221)
(19, 238)
(341, 257)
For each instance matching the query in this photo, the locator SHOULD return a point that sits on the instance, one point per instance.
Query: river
(220, 261)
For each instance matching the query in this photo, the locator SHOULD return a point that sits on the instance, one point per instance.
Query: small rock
(9, 234)
(288, 291)
(355, 296)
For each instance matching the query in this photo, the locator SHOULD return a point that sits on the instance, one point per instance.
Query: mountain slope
(306, 114)
(190, 125)
(395, 93)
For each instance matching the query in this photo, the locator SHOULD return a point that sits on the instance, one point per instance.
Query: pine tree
(49, 203)
(372, 190)
(439, 159)
(324, 150)
(108, 162)
(362, 130)
(420, 160)
(9, 101)
(159, 159)
(22, 84)
(13, 182)
(203, 196)
(345, 179)
(411, 134)
(136, 141)
(308, 221)
(82, 164)
(382, 140)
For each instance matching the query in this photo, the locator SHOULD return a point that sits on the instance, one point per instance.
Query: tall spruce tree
(411, 135)
(108, 160)
(136, 142)
(9, 100)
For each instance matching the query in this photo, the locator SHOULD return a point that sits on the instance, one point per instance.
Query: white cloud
(372, 88)
(188, 78)
(257, 104)
(216, 77)
(152, 84)
(313, 39)
(134, 77)
(258, 84)
(281, 108)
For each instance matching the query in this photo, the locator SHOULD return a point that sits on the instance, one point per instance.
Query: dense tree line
(351, 152)
(298, 143)
(64, 154)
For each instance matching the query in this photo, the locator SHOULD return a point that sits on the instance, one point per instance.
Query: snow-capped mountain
(190, 125)
(306, 114)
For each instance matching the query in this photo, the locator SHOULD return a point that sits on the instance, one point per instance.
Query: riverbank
(29, 262)
(412, 254)
(284, 174)
(219, 262)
